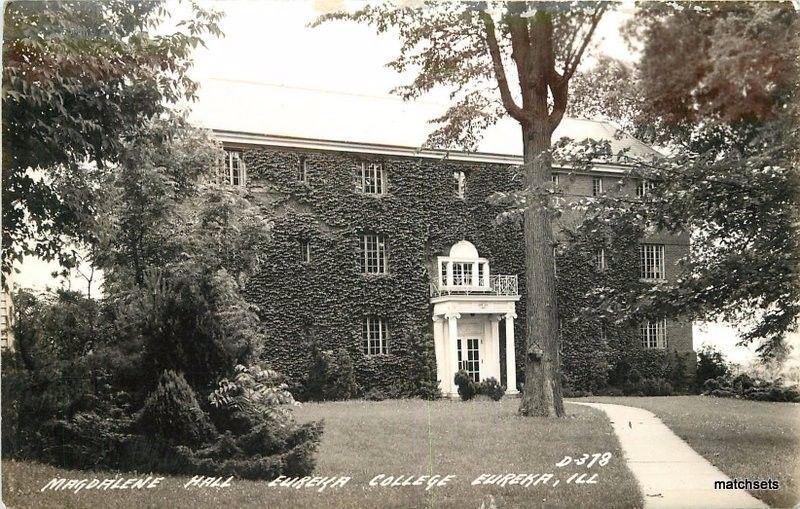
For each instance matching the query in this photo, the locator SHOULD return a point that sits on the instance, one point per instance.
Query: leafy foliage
(745, 387)
(331, 376)
(716, 86)
(253, 396)
(77, 77)
(711, 364)
(492, 388)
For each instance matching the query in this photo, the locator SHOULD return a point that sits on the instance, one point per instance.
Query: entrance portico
(468, 305)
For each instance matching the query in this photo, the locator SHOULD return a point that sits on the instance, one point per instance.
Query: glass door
(469, 357)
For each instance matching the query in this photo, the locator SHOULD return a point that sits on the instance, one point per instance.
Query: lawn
(744, 439)
(405, 437)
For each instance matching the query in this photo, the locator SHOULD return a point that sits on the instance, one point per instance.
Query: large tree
(77, 76)
(497, 59)
(716, 85)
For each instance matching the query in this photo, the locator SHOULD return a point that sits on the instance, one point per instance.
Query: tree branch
(500, 74)
(571, 64)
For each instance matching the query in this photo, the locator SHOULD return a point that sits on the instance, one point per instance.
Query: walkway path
(670, 473)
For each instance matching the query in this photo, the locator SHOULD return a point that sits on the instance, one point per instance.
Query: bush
(375, 394)
(429, 390)
(492, 388)
(466, 387)
(711, 364)
(331, 376)
(711, 384)
(173, 413)
(744, 386)
(656, 387)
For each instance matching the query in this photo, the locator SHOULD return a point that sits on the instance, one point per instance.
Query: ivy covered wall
(324, 300)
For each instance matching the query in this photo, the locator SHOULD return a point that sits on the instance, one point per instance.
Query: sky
(269, 47)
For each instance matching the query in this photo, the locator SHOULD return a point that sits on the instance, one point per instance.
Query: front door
(469, 357)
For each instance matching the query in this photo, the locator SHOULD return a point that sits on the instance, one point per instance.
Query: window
(370, 179)
(557, 199)
(305, 251)
(233, 172)
(651, 262)
(469, 357)
(375, 335)
(654, 334)
(462, 274)
(600, 260)
(597, 186)
(302, 170)
(461, 184)
(373, 259)
(555, 263)
(643, 187)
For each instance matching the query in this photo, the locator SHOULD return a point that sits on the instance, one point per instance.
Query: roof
(254, 112)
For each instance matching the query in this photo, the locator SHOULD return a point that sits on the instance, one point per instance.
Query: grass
(744, 439)
(405, 437)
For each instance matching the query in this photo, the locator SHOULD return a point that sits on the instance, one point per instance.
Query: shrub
(676, 372)
(656, 387)
(253, 395)
(742, 382)
(331, 376)
(172, 412)
(429, 389)
(375, 394)
(711, 384)
(710, 364)
(466, 387)
(492, 388)
(570, 393)
(745, 386)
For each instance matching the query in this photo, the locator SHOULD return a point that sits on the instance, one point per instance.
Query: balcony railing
(505, 285)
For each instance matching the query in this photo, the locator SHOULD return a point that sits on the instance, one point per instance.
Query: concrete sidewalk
(670, 473)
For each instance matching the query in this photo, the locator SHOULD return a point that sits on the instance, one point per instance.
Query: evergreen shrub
(467, 388)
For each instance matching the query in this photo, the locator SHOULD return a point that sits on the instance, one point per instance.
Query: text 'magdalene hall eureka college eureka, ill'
(393, 253)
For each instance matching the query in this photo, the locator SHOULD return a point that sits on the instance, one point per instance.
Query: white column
(449, 273)
(494, 346)
(511, 366)
(475, 281)
(440, 348)
(452, 341)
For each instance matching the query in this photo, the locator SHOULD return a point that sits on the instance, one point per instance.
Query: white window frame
(462, 273)
(461, 184)
(600, 260)
(597, 186)
(643, 187)
(305, 251)
(653, 334)
(371, 179)
(234, 169)
(375, 335)
(557, 198)
(651, 262)
(373, 254)
(302, 170)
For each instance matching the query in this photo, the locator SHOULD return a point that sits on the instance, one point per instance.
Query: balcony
(498, 285)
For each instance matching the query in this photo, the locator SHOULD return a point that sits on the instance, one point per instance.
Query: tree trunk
(541, 394)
